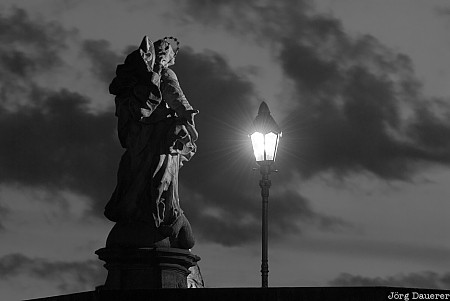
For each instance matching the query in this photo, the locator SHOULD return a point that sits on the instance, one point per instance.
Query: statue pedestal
(146, 268)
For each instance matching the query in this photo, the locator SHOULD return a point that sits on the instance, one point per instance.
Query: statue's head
(147, 52)
(165, 54)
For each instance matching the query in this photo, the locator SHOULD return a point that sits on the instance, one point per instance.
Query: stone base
(146, 268)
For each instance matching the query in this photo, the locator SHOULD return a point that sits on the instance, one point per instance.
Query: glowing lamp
(265, 136)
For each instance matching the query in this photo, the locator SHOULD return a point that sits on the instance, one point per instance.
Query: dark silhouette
(156, 127)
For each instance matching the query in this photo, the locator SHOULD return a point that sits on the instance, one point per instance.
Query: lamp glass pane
(258, 145)
(271, 146)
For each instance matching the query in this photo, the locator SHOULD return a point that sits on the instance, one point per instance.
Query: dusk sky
(360, 89)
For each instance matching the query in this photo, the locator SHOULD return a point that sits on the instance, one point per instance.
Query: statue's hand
(189, 116)
(146, 112)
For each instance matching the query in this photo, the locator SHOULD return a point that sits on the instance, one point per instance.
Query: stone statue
(156, 127)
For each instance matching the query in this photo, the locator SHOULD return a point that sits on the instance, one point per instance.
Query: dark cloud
(351, 92)
(430, 131)
(420, 280)
(3, 213)
(253, 19)
(60, 145)
(304, 66)
(18, 26)
(50, 139)
(443, 11)
(103, 59)
(355, 109)
(233, 217)
(70, 276)
(28, 48)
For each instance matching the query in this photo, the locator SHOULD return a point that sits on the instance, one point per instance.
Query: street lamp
(265, 136)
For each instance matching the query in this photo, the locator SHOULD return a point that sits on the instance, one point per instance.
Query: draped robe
(155, 146)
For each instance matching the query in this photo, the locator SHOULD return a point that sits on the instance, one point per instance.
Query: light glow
(264, 146)
(258, 145)
(270, 145)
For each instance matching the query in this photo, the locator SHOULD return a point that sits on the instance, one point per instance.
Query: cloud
(47, 37)
(53, 139)
(70, 276)
(103, 59)
(357, 105)
(253, 19)
(356, 110)
(60, 145)
(426, 279)
(230, 219)
(3, 213)
(28, 49)
(442, 11)
(36, 53)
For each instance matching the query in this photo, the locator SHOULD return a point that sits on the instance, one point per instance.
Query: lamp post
(265, 136)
